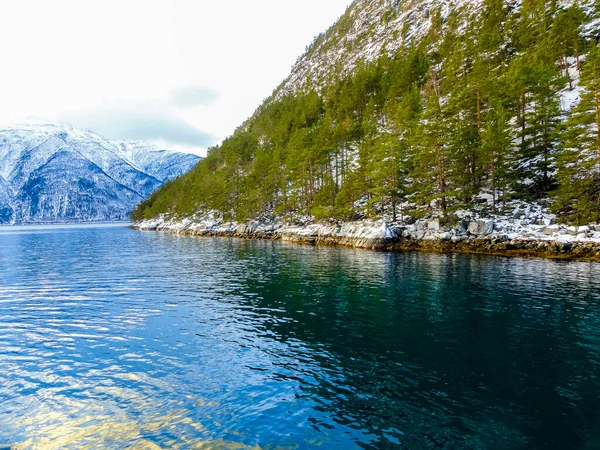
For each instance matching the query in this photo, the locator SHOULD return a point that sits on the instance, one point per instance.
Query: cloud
(142, 125)
(192, 96)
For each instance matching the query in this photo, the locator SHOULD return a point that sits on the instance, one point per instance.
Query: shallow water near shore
(115, 338)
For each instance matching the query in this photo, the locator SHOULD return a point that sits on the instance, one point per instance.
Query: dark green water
(114, 338)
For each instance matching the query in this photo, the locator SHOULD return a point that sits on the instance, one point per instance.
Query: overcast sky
(184, 73)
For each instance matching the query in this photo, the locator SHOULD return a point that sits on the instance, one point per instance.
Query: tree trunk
(597, 106)
(523, 122)
(478, 113)
(566, 65)
(442, 175)
(493, 170)
(546, 155)
(314, 185)
(337, 170)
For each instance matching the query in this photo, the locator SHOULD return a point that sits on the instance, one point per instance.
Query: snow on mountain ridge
(136, 153)
(58, 173)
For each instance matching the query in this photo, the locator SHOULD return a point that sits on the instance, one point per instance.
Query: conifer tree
(578, 196)
(391, 159)
(536, 80)
(566, 36)
(498, 149)
(542, 132)
(430, 147)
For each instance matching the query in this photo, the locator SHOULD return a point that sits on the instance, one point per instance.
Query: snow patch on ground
(528, 224)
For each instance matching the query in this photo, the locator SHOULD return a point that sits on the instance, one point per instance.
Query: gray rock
(476, 227)
(572, 231)
(518, 213)
(549, 231)
(463, 226)
(481, 227)
(488, 227)
(434, 225)
(584, 230)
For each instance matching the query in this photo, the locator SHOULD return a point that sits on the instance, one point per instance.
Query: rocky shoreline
(469, 236)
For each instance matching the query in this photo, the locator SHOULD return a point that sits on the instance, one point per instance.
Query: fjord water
(114, 338)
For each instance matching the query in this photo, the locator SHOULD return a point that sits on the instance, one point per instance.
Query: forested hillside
(482, 103)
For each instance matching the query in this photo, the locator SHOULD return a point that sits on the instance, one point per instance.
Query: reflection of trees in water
(451, 350)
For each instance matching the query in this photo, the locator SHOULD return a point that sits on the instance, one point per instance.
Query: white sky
(181, 72)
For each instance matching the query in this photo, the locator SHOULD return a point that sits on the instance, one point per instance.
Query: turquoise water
(114, 338)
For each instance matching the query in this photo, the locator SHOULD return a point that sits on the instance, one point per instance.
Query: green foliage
(578, 196)
(472, 108)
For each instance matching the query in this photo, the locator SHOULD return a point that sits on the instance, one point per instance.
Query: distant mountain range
(54, 173)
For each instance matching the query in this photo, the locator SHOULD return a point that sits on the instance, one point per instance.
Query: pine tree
(498, 150)
(540, 142)
(536, 81)
(578, 196)
(565, 36)
(390, 163)
(430, 147)
(463, 89)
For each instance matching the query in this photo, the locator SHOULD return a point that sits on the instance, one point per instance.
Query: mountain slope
(367, 29)
(419, 108)
(57, 173)
(370, 28)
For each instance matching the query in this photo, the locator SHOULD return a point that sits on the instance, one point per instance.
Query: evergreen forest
(490, 106)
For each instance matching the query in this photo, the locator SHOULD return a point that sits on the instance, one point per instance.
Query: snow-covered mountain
(57, 173)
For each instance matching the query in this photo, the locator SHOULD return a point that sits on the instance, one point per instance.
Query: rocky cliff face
(57, 173)
(366, 30)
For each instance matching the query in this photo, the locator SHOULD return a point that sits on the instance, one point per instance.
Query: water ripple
(111, 338)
